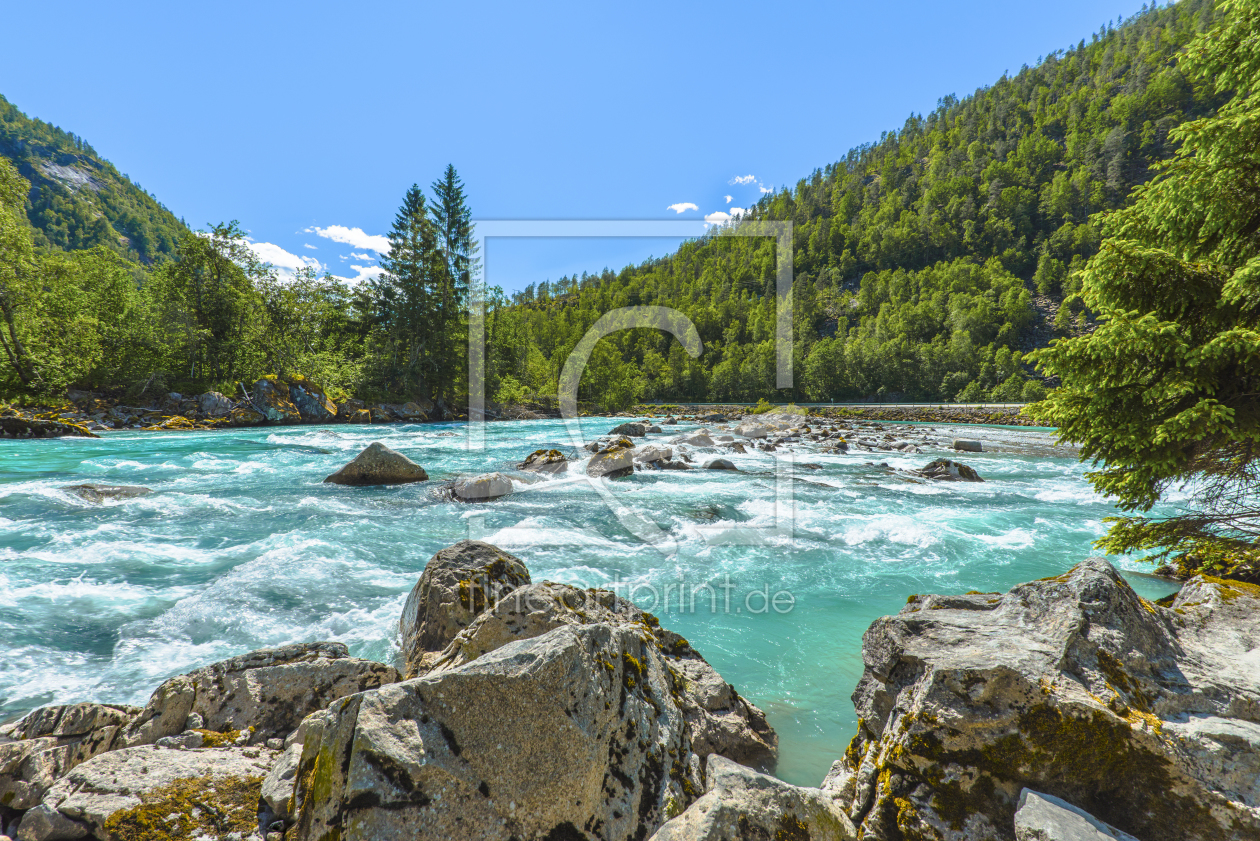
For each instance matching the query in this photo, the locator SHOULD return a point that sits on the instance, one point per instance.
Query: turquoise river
(240, 546)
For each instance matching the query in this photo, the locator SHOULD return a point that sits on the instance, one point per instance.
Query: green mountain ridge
(925, 263)
(79, 200)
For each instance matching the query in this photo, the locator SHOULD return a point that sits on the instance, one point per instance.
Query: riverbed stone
(264, 694)
(481, 488)
(968, 445)
(115, 795)
(379, 465)
(1147, 716)
(573, 734)
(458, 583)
(740, 803)
(649, 453)
(718, 719)
(695, 439)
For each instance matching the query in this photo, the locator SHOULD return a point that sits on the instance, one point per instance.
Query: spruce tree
(452, 221)
(408, 301)
(1166, 391)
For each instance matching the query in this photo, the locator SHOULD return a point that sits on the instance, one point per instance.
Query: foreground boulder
(457, 584)
(151, 793)
(573, 734)
(100, 493)
(379, 465)
(44, 745)
(944, 470)
(1145, 716)
(264, 694)
(719, 464)
(740, 803)
(967, 445)
(612, 460)
(549, 462)
(481, 488)
(718, 719)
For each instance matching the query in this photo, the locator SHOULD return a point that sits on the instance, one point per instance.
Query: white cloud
(737, 212)
(729, 198)
(285, 263)
(361, 256)
(355, 237)
(682, 206)
(743, 179)
(717, 217)
(311, 247)
(363, 273)
(765, 189)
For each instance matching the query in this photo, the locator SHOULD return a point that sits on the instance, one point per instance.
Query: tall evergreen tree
(408, 298)
(452, 220)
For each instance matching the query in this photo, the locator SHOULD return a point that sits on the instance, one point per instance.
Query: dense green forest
(925, 265)
(77, 200)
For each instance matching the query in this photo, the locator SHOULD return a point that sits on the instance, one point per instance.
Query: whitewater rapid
(242, 546)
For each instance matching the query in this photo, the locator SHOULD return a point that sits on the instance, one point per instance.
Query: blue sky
(308, 121)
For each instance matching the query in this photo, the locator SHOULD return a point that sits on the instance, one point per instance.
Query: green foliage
(1164, 393)
(77, 200)
(916, 259)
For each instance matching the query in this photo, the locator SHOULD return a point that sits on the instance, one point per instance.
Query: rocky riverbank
(535, 710)
(995, 416)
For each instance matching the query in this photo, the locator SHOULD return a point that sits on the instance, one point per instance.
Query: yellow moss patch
(213, 739)
(208, 806)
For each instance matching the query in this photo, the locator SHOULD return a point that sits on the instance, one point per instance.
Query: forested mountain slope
(79, 200)
(925, 263)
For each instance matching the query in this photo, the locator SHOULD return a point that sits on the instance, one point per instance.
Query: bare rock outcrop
(568, 735)
(1146, 716)
(265, 693)
(718, 719)
(44, 745)
(458, 583)
(740, 803)
(142, 791)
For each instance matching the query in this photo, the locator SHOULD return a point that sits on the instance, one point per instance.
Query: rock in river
(633, 430)
(379, 465)
(100, 493)
(481, 488)
(613, 460)
(544, 461)
(948, 471)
